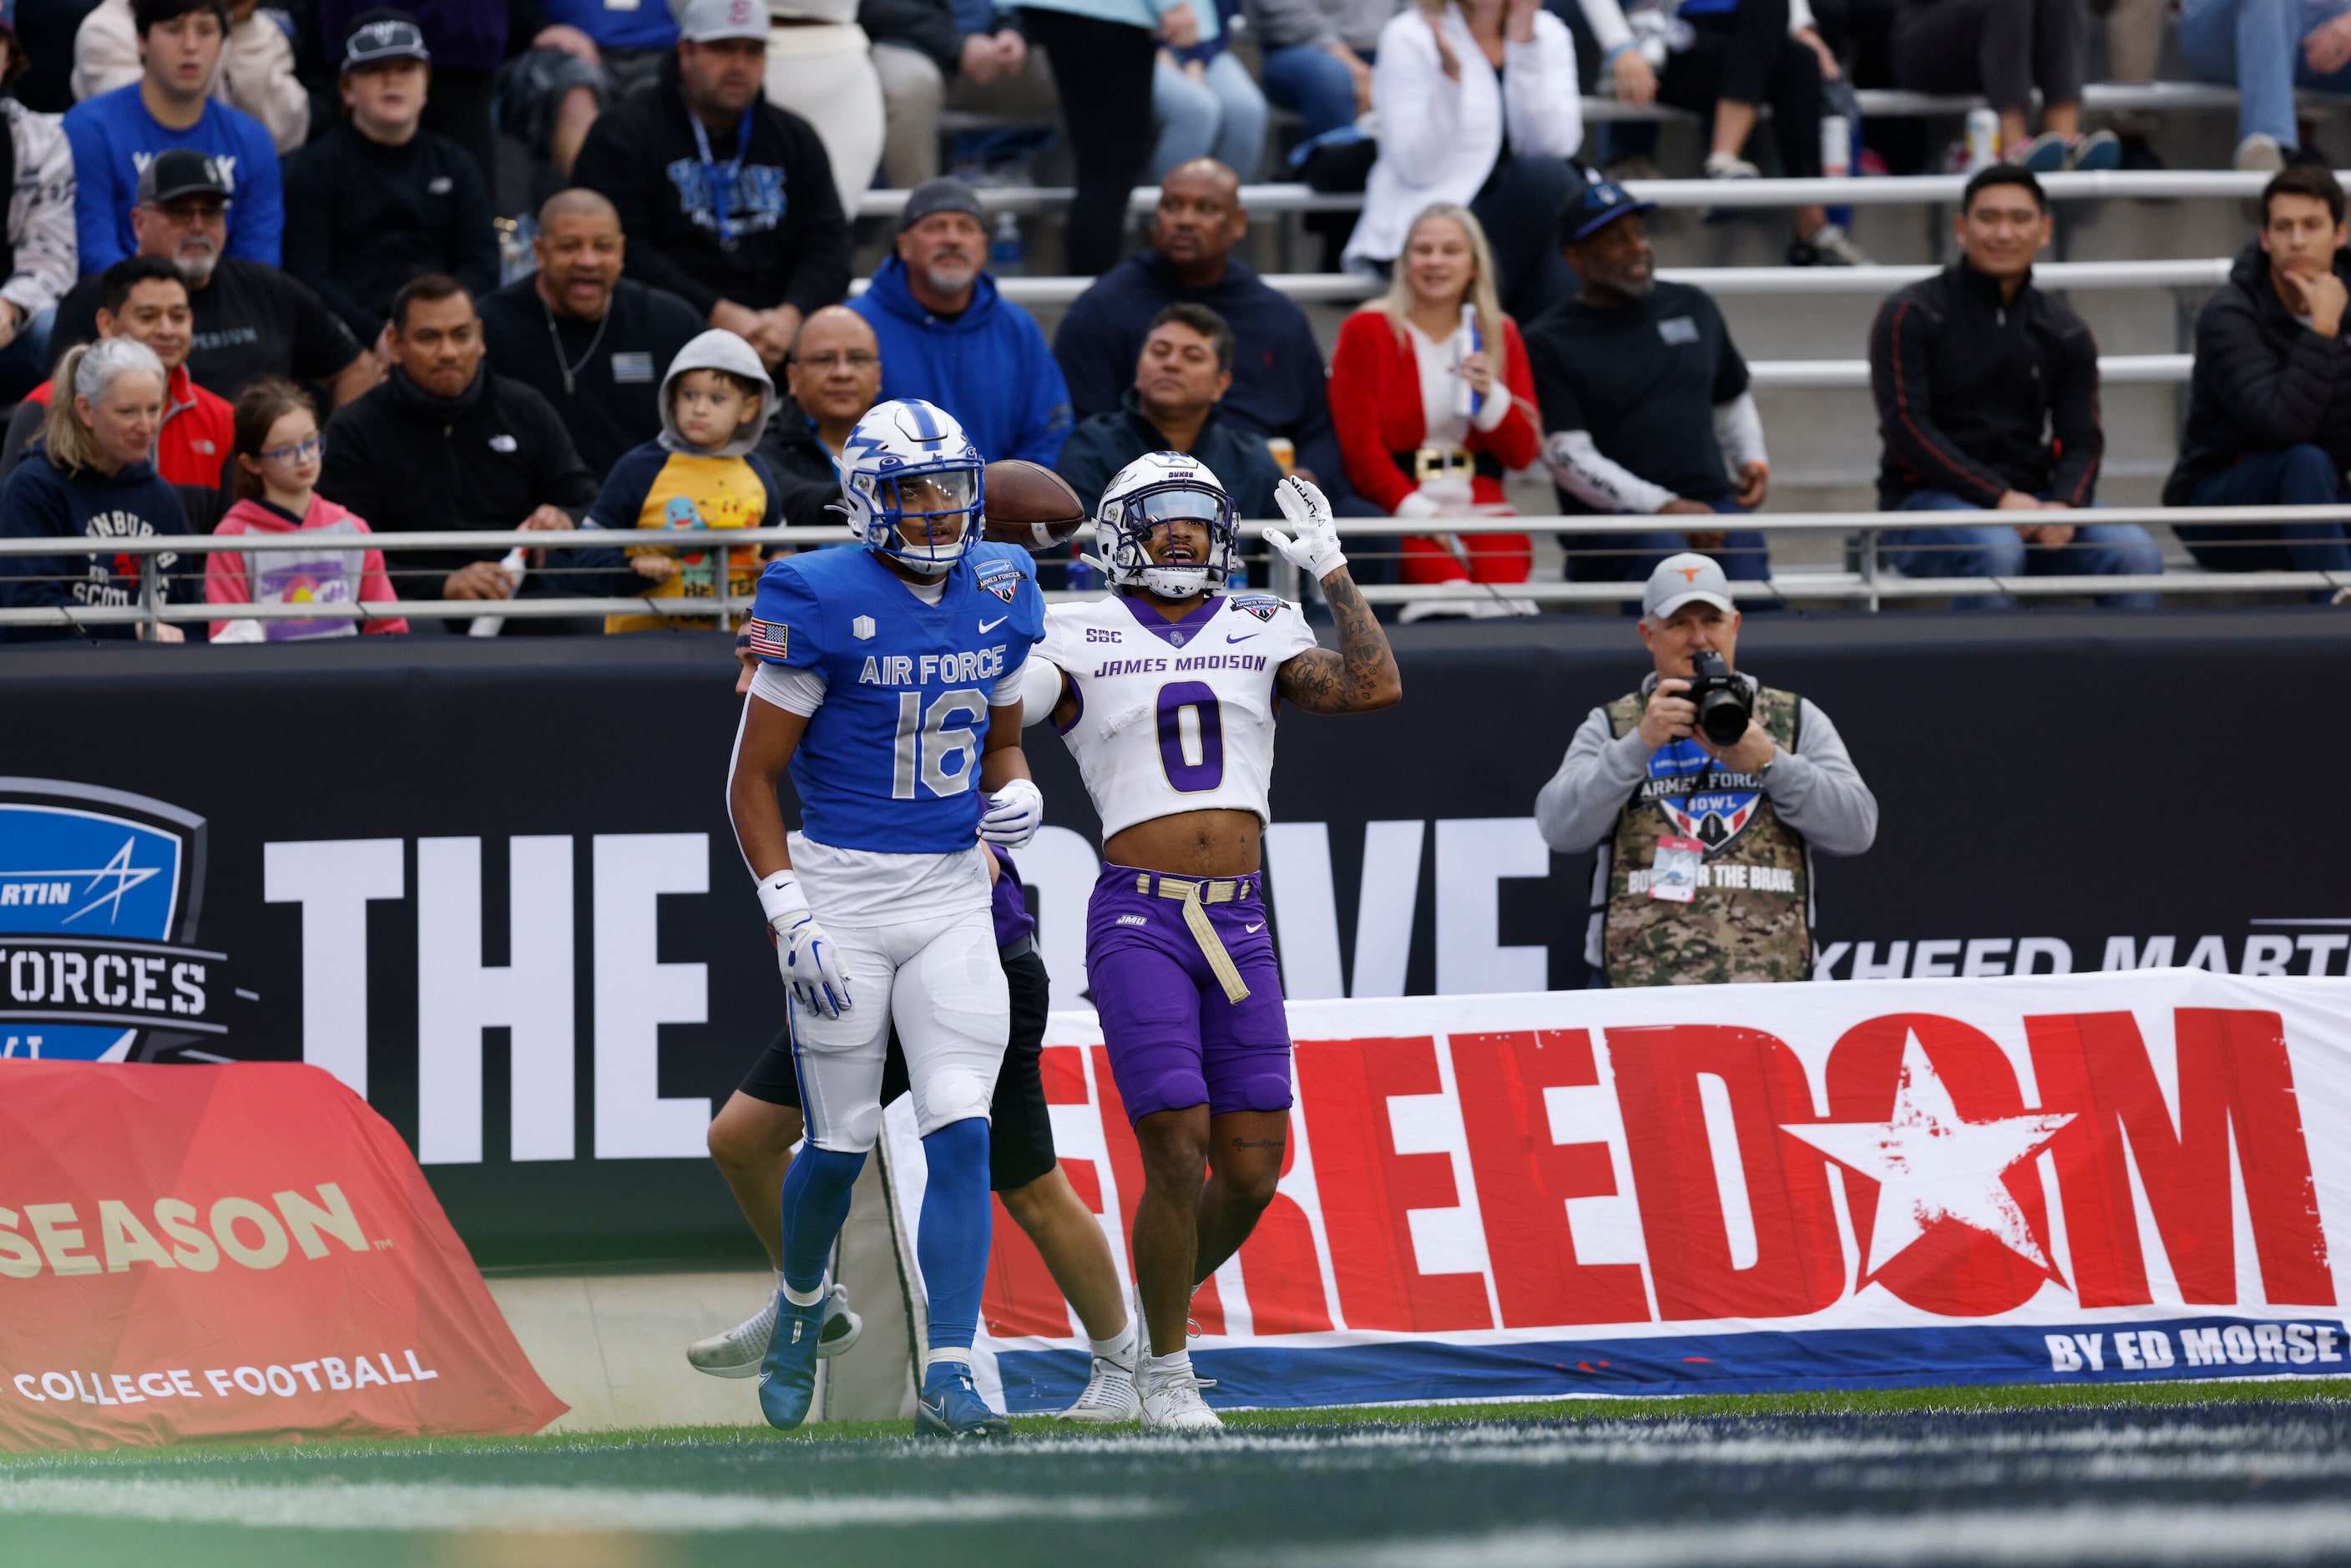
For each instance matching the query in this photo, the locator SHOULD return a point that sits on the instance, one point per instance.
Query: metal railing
(1870, 586)
(1858, 191)
(2098, 97)
(1724, 282)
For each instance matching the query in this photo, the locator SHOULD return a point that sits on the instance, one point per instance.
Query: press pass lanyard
(722, 194)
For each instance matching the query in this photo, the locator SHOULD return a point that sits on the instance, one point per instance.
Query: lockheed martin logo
(99, 895)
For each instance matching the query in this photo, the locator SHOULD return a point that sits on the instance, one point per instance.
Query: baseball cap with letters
(1680, 578)
(179, 172)
(383, 35)
(708, 21)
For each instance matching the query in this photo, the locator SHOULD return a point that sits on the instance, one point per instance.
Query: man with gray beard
(251, 320)
(947, 337)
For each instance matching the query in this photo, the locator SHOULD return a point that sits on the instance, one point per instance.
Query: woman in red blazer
(1426, 420)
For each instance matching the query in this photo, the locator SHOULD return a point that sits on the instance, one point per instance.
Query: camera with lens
(1723, 709)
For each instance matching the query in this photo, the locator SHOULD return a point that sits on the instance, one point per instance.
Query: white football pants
(943, 984)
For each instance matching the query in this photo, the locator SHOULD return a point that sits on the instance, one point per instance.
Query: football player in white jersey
(1165, 694)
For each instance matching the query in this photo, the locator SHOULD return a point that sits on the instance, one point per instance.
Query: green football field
(2201, 1473)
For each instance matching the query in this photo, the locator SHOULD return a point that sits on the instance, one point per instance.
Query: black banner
(494, 884)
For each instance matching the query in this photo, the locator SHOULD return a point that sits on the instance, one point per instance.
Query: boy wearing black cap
(377, 201)
(118, 133)
(1645, 409)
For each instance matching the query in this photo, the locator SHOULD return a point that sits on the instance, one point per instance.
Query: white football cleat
(1171, 1402)
(739, 1352)
(1109, 1397)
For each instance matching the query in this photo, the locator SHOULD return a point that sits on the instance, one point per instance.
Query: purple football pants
(1175, 1038)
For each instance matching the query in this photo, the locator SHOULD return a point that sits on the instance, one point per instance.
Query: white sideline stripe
(2173, 1448)
(526, 1509)
(2088, 1535)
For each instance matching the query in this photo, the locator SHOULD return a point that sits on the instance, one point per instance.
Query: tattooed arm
(1360, 675)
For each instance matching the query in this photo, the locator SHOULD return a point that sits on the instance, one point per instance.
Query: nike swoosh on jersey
(1253, 930)
(987, 626)
(1242, 638)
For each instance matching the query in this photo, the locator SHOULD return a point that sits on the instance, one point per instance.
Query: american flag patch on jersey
(770, 639)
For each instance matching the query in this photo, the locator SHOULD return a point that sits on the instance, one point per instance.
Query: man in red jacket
(146, 300)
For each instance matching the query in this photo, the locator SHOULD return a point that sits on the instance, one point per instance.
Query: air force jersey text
(890, 762)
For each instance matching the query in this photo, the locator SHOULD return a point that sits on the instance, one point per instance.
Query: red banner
(1737, 1189)
(245, 1251)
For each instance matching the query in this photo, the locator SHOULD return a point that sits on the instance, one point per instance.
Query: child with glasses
(279, 450)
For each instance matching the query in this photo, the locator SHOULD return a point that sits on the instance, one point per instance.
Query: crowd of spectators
(252, 281)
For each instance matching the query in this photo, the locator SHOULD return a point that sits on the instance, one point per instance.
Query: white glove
(1014, 814)
(1315, 552)
(806, 957)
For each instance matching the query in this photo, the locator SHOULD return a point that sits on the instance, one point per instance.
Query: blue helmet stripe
(924, 425)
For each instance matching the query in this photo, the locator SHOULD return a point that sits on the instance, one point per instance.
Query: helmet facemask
(926, 518)
(1146, 511)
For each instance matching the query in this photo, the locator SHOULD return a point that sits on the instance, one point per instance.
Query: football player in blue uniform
(889, 685)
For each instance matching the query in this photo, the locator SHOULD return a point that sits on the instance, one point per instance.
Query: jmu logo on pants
(100, 894)
(1751, 1187)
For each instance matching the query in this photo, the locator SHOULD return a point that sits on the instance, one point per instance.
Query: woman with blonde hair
(1477, 106)
(1432, 401)
(91, 475)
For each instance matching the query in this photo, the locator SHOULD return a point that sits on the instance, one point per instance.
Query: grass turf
(1841, 1402)
(1292, 1488)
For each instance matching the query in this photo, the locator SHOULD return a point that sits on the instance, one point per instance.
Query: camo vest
(1747, 921)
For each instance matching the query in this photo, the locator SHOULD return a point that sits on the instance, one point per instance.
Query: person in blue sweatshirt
(116, 134)
(1279, 386)
(948, 337)
(92, 476)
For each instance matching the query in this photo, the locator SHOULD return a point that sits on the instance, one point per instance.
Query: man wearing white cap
(1706, 826)
(727, 200)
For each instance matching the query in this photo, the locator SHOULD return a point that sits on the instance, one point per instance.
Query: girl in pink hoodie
(278, 454)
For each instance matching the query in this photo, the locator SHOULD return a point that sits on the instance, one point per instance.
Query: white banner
(2052, 1178)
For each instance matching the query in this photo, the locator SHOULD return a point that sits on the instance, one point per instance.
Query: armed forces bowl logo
(1684, 781)
(100, 894)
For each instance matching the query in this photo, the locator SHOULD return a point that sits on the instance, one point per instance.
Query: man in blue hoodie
(949, 338)
(116, 134)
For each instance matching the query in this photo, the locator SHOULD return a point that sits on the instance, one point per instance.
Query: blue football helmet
(909, 463)
(1149, 492)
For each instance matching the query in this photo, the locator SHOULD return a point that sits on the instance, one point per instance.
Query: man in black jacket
(833, 376)
(379, 200)
(1279, 389)
(444, 443)
(2269, 411)
(593, 343)
(728, 202)
(1988, 399)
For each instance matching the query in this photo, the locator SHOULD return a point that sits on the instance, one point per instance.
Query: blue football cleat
(951, 1407)
(788, 1375)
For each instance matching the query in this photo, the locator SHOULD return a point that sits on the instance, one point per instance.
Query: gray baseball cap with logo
(709, 21)
(1680, 579)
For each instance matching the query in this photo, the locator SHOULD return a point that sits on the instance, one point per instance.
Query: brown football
(1030, 506)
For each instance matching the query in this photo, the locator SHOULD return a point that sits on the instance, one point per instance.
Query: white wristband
(780, 895)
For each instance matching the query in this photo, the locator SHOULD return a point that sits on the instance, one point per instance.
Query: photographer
(1707, 811)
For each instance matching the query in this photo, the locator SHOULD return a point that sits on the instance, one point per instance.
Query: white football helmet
(908, 461)
(1148, 493)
